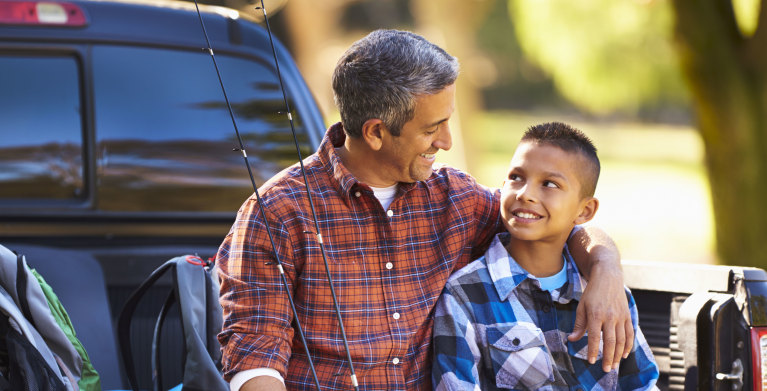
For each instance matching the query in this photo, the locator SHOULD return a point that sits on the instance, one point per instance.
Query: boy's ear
(373, 132)
(589, 208)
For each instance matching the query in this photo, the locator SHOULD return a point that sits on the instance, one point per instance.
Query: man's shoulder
(291, 178)
(449, 178)
(445, 172)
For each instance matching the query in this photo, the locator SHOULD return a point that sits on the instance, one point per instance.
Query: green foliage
(747, 15)
(604, 55)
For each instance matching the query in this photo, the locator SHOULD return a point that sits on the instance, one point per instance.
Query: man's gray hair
(381, 75)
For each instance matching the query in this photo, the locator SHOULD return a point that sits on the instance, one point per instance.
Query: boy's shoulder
(474, 272)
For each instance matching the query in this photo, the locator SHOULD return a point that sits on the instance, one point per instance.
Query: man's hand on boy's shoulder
(608, 315)
(603, 309)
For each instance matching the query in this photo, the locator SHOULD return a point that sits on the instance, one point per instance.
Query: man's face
(541, 197)
(409, 156)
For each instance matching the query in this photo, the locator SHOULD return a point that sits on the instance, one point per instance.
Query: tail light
(759, 357)
(41, 13)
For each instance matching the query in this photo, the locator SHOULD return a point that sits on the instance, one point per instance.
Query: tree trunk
(726, 74)
(452, 24)
(318, 41)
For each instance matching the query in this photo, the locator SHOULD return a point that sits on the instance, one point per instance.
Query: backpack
(38, 347)
(195, 289)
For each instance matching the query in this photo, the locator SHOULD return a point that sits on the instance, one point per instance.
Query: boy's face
(541, 197)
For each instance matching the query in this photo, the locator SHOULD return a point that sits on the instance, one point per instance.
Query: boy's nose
(525, 194)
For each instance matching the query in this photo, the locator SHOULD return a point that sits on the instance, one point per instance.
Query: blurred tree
(604, 56)
(317, 40)
(725, 63)
(608, 56)
(453, 25)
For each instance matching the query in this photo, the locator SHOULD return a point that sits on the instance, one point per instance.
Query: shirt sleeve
(487, 213)
(456, 354)
(638, 371)
(257, 330)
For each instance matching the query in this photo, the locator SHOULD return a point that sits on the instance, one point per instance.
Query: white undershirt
(242, 377)
(385, 195)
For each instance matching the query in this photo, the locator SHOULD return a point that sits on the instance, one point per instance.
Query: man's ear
(373, 132)
(589, 208)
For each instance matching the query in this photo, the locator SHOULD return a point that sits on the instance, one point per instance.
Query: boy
(502, 321)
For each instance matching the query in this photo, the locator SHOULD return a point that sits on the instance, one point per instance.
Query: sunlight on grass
(653, 192)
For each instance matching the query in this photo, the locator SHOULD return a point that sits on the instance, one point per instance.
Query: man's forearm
(595, 252)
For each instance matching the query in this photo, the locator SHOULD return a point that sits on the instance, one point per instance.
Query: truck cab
(115, 138)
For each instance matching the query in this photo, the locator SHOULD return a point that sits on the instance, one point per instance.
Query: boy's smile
(541, 198)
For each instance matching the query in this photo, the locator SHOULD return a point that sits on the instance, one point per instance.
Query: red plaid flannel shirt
(388, 269)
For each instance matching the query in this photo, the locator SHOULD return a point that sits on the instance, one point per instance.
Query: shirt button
(395, 361)
(389, 265)
(395, 315)
(390, 213)
(546, 308)
(357, 194)
(515, 342)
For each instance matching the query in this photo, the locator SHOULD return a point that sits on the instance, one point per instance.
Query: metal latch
(736, 376)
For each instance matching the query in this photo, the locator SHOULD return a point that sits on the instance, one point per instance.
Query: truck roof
(154, 23)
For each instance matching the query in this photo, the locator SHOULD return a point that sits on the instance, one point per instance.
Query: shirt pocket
(580, 349)
(519, 355)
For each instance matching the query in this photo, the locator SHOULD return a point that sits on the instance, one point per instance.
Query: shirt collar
(507, 275)
(345, 181)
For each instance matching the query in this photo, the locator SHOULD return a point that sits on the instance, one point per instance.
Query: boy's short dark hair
(572, 140)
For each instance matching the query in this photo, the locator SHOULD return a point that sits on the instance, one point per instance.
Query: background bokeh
(627, 73)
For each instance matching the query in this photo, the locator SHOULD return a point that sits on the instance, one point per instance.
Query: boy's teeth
(525, 215)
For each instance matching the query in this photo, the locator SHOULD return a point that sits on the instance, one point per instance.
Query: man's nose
(445, 140)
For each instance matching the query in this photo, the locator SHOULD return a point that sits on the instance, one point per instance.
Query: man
(394, 229)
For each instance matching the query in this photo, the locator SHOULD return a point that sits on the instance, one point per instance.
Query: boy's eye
(550, 184)
(514, 177)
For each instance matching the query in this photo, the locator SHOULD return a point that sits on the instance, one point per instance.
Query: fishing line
(258, 197)
(317, 232)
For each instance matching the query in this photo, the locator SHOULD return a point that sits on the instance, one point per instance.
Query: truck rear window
(41, 129)
(164, 137)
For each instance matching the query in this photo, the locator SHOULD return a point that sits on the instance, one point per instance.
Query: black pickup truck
(116, 145)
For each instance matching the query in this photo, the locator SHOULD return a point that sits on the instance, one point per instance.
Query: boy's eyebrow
(556, 174)
(546, 173)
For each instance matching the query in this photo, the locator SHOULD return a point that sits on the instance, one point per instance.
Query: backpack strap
(195, 291)
(157, 362)
(21, 289)
(201, 318)
(124, 321)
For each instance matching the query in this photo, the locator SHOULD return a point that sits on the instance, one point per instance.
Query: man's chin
(422, 174)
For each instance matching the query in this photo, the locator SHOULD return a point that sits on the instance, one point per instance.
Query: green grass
(653, 192)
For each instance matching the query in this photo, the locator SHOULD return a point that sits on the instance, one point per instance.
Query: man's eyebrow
(436, 123)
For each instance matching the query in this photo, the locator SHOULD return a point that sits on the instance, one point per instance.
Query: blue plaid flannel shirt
(495, 328)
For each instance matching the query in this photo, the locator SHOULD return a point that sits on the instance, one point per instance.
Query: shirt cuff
(242, 377)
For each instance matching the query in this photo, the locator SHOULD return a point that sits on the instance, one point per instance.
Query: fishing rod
(317, 232)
